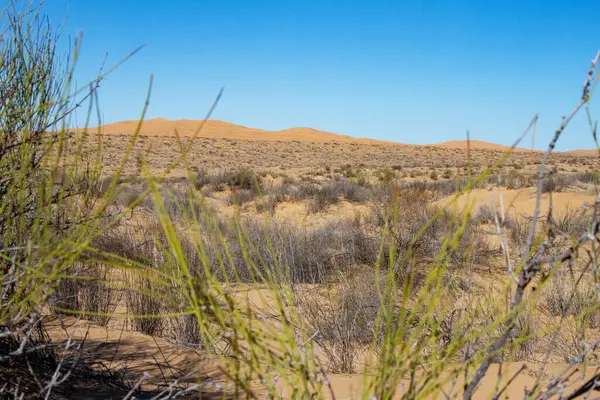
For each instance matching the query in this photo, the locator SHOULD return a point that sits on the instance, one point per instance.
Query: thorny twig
(533, 264)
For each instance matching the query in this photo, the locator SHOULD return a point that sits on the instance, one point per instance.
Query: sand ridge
(226, 130)
(476, 144)
(584, 152)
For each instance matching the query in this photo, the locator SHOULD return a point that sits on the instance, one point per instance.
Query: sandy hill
(224, 130)
(584, 152)
(475, 144)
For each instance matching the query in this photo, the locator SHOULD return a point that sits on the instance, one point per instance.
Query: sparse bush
(347, 171)
(515, 180)
(361, 180)
(351, 191)
(325, 196)
(554, 183)
(127, 196)
(239, 197)
(588, 177)
(310, 255)
(242, 178)
(288, 180)
(201, 179)
(386, 176)
(403, 210)
(96, 295)
(572, 223)
(563, 297)
(345, 321)
(518, 229)
(330, 193)
(273, 197)
(486, 215)
(147, 308)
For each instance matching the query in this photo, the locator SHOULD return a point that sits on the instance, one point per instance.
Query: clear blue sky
(407, 71)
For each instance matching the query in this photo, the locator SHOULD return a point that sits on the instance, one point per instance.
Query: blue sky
(406, 71)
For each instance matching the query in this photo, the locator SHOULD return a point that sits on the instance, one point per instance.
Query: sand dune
(475, 144)
(523, 201)
(584, 152)
(225, 130)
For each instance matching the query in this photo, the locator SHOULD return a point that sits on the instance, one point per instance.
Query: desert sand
(227, 130)
(523, 201)
(222, 130)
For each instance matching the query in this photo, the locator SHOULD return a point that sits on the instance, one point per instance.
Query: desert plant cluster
(421, 272)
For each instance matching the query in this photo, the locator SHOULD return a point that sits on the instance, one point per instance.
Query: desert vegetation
(159, 274)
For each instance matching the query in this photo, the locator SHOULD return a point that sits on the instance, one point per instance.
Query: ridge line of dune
(217, 129)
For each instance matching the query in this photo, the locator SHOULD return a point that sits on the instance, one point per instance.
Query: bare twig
(533, 264)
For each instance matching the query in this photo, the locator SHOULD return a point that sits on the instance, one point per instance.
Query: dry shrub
(178, 199)
(241, 178)
(567, 345)
(21, 376)
(440, 188)
(524, 334)
(306, 190)
(344, 319)
(239, 197)
(274, 196)
(179, 202)
(408, 217)
(65, 294)
(353, 191)
(324, 197)
(321, 197)
(184, 330)
(587, 177)
(201, 178)
(572, 223)
(294, 254)
(518, 229)
(555, 183)
(386, 176)
(145, 245)
(139, 244)
(87, 288)
(97, 296)
(568, 225)
(144, 309)
(487, 309)
(384, 196)
(127, 196)
(485, 215)
(563, 296)
(516, 180)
